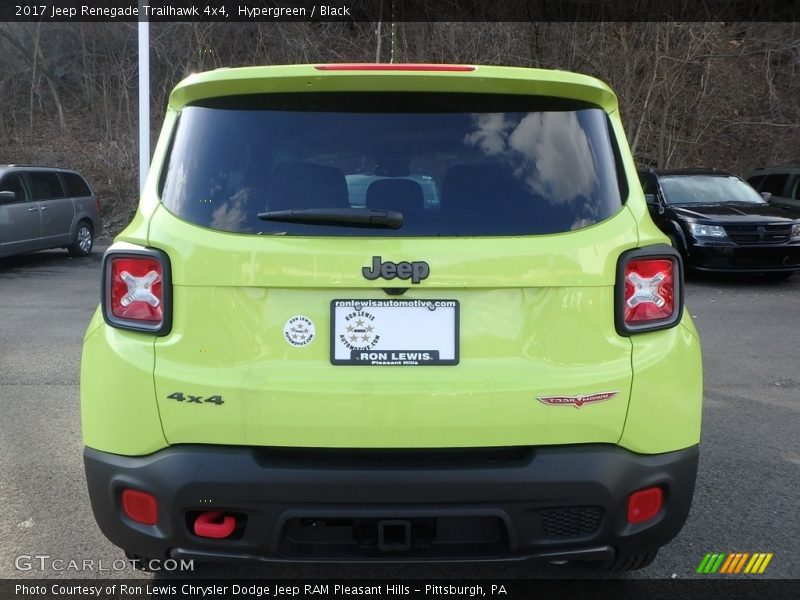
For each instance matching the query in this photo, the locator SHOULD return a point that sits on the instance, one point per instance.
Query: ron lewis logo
(359, 330)
(576, 401)
(299, 331)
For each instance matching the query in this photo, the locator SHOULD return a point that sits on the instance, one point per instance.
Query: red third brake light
(392, 67)
(136, 289)
(649, 290)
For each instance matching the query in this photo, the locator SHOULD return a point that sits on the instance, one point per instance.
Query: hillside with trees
(692, 94)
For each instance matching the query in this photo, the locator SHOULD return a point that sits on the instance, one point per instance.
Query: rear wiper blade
(352, 217)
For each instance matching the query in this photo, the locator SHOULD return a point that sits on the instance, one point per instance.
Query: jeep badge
(416, 271)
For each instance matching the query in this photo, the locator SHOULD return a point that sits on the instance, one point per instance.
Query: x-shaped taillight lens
(645, 289)
(137, 292)
(649, 290)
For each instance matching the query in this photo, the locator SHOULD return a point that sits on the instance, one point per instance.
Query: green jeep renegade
(392, 312)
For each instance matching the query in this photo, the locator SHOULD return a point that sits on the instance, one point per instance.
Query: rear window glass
(774, 184)
(76, 186)
(450, 164)
(46, 185)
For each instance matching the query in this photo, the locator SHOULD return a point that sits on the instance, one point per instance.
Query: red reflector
(649, 290)
(644, 505)
(392, 67)
(140, 507)
(214, 525)
(136, 289)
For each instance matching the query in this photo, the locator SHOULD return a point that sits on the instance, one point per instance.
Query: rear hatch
(465, 297)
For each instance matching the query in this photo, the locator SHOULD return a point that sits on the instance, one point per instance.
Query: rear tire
(83, 240)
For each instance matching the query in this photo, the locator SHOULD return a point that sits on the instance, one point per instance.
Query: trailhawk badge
(576, 401)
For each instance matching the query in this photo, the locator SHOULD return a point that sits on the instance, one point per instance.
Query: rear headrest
(306, 185)
(404, 195)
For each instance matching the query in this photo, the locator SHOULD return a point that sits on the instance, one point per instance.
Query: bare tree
(721, 94)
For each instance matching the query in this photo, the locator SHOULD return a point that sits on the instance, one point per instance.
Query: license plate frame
(387, 330)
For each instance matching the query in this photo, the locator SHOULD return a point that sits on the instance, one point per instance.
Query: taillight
(649, 290)
(137, 290)
(649, 293)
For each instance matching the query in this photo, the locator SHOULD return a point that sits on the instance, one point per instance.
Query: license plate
(394, 332)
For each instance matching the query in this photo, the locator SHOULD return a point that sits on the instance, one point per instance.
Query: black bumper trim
(598, 554)
(351, 489)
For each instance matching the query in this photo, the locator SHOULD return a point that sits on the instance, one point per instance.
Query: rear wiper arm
(352, 217)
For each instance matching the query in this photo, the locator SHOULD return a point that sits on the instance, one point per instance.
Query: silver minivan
(43, 207)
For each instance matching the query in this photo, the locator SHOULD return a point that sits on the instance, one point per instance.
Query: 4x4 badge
(576, 401)
(416, 271)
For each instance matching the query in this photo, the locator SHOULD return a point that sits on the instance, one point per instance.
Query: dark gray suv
(782, 183)
(43, 207)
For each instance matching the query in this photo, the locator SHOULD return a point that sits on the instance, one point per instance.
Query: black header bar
(268, 11)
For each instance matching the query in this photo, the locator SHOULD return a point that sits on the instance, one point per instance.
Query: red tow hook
(214, 524)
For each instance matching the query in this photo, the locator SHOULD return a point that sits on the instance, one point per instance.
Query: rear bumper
(564, 502)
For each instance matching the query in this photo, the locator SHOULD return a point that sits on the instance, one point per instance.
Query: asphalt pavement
(747, 492)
